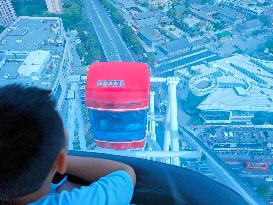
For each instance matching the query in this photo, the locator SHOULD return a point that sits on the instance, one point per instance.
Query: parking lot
(241, 144)
(198, 166)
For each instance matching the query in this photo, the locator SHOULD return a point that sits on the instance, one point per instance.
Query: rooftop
(28, 34)
(31, 51)
(176, 45)
(244, 84)
(224, 34)
(269, 11)
(188, 59)
(143, 15)
(146, 22)
(254, 23)
(211, 8)
(34, 62)
(150, 34)
(229, 13)
(126, 3)
(228, 99)
(203, 15)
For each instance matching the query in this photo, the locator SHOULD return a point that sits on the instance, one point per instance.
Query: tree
(131, 39)
(1, 29)
(207, 1)
(80, 50)
(160, 6)
(89, 48)
(264, 190)
(171, 12)
(218, 26)
(145, 4)
(187, 3)
(117, 17)
(114, 12)
(72, 14)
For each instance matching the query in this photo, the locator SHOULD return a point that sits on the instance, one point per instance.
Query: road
(75, 123)
(77, 65)
(112, 44)
(80, 120)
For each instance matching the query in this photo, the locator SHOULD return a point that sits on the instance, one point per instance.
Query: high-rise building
(54, 6)
(35, 51)
(7, 13)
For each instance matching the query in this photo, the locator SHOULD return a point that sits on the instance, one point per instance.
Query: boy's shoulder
(114, 188)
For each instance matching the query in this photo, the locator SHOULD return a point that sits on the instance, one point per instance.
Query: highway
(112, 44)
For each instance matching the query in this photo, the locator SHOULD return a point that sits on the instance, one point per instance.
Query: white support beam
(152, 112)
(156, 118)
(158, 80)
(167, 133)
(153, 154)
(172, 82)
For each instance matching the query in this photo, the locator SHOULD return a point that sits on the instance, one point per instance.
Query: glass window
(219, 51)
(128, 121)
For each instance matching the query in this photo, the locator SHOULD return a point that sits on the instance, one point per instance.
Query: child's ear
(61, 162)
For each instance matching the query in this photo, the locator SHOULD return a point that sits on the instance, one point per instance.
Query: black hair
(31, 137)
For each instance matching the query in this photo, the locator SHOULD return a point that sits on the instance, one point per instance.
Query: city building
(269, 12)
(127, 4)
(201, 43)
(54, 6)
(180, 10)
(245, 7)
(229, 90)
(175, 47)
(7, 13)
(167, 65)
(150, 36)
(147, 22)
(143, 15)
(35, 51)
(212, 9)
(203, 15)
(253, 25)
(158, 2)
(223, 35)
(249, 26)
(230, 15)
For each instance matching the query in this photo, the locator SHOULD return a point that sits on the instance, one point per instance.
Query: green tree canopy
(131, 39)
(264, 190)
(115, 14)
(29, 7)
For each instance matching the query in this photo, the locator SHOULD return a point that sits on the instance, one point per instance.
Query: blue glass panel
(118, 126)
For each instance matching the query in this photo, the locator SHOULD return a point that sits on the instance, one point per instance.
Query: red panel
(132, 93)
(121, 145)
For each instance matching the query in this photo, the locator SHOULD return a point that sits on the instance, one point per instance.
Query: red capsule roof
(118, 86)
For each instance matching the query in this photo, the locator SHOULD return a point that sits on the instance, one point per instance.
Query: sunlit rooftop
(31, 51)
(32, 33)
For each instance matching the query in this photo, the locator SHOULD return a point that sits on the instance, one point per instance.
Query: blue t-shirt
(114, 189)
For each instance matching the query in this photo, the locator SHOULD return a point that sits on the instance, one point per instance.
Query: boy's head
(31, 139)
